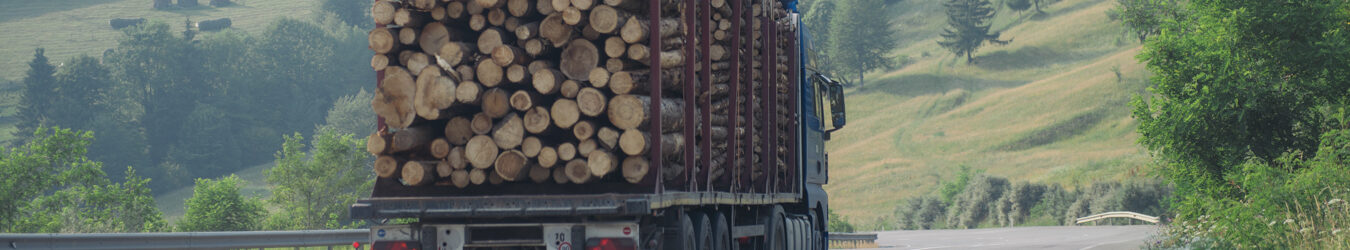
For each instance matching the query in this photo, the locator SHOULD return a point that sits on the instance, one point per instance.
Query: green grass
(72, 27)
(1047, 108)
(172, 203)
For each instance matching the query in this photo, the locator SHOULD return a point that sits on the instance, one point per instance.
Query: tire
(776, 237)
(687, 239)
(702, 232)
(721, 232)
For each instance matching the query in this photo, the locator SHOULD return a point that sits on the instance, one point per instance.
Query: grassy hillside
(1049, 107)
(73, 27)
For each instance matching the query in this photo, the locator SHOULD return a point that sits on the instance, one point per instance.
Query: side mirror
(837, 105)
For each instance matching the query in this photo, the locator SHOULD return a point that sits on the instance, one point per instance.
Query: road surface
(1084, 237)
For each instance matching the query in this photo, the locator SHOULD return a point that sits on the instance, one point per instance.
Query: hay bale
(119, 23)
(213, 25)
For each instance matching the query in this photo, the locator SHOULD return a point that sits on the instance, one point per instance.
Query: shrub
(971, 207)
(920, 212)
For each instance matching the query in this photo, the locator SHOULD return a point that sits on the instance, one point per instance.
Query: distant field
(68, 28)
(1048, 108)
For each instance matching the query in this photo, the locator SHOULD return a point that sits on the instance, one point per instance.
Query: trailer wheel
(703, 232)
(687, 236)
(776, 236)
(721, 232)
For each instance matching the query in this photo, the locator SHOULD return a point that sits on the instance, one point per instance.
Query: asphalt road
(1084, 237)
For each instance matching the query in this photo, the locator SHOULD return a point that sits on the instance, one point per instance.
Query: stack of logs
(494, 91)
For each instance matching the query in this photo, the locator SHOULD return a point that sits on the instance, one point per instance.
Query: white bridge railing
(187, 240)
(1131, 215)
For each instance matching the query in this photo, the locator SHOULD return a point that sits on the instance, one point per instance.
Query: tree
(868, 28)
(353, 12)
(156, 70)
(218, 205)
(205, 144)
(1145, 17)
(313, 193)
(1235, 81)
(817, 18)
(39, 94)
(967, 29)
(51, 187)
(350, 115)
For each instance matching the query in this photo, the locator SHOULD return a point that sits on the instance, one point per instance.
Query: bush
(971, 207)
(839, 224)
(920, 212)
(217, 205)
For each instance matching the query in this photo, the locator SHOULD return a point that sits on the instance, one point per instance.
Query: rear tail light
(611, 244)
(396, 245)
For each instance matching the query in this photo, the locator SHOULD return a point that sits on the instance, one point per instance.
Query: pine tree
(867, 27)
(39, 92)
(967, 29)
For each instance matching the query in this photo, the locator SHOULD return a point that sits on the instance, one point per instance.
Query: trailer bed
(551, 205)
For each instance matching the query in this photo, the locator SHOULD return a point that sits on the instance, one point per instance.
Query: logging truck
(597, 124)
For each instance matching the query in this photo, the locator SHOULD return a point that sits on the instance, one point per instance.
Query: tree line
(180, 107)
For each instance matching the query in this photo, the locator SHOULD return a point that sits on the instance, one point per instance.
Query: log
(419, 173)
(443, 170)
(635, 29)
(507, 55)
(477, 22)
(617, 64)
(453, 54)
(591, 101)
(496, 17)
(539, 174)
(417, 62)
(379, 62)
(560, 175)
(583, 130)
(495, 178)
(524, 100)
(511, 165)
(454, 10)
(496, 103)
(517, 73)
(578, 171)
(508, 132)
(585, 147)
(669, 59)
(547, 81)
(488, 4)
(578, 59)
(527, 31)
(408, 18)
(394, 98)
(538, 48)
(538, 65)
(511, 24)
(438, 13)
(530, 146)
(468, 92)
(635, 168)
(434, 35)
(457, 159)
(382, 40)
(573, 16)
(407, 36)
(481, 124)
(377, 143)
(387, 166)
(589, 33)
(548, 157)
(537, 120)
(601, 163)
(466, 72)
(608, 20)
(567, 151)
(521, 8)
(491, 38)
(583, 4)
(460, 178)
(608, 137)
(440, 148)
(423, 5)
(478, 176)
(489, 73)
(637, 142)
(565, 113)
(412, 138)
(555, 31)
(457, 131)
(632, 112)
(599, 77)
(559, 5)
(481, 151)
(383, 12)
(435, 94)
(569, 88)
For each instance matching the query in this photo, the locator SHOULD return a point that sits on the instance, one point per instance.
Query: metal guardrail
(1131, 215)
(188, 240)
(853, 240)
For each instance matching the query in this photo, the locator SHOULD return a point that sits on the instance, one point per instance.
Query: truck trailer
(728, 151)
